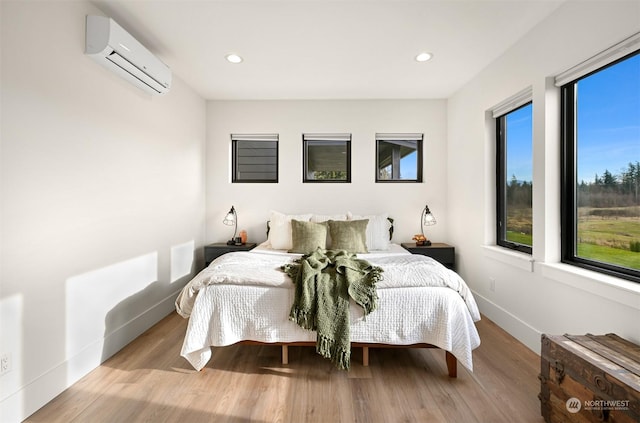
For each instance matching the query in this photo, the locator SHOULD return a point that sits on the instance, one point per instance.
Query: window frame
(568, 188)
(501, 180)
(418, 138)
(309, 139)
(236, 138)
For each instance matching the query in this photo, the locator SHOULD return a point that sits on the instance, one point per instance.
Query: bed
(245, 297)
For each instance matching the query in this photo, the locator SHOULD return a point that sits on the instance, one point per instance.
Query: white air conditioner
(113, 47)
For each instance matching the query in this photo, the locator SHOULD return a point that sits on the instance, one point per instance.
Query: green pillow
(308, 236)
(350, 235)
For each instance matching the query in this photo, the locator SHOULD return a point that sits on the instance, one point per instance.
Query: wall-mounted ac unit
(113, 47)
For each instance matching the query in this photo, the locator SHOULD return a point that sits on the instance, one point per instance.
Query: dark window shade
(254, 160)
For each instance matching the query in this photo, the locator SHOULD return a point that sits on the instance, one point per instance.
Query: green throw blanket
(324, 280)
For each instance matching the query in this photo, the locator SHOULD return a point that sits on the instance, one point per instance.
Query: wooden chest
(589, 378)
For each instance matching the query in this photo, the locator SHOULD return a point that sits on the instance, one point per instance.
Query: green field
(624, 258)
(519, 225)
(520, 238)
(605, 235)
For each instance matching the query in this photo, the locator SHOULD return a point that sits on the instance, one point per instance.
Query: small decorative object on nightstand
(444, 253)
(213, 251)
(421, 240)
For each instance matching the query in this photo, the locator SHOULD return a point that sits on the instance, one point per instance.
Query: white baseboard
(512, 324)
(34, 395)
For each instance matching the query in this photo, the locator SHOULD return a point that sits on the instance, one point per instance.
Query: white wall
(102, 203)
(290, 119)
(545, 297)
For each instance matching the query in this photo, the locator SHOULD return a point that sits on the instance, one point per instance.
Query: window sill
(615, 289)
(514, 258)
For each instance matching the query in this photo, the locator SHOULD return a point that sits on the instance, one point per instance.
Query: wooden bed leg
(452, 364)
(365, 356)
(285, 354)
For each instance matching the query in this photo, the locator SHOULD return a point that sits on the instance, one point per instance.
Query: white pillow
(377, 230)
(319, 218)
(280, 229)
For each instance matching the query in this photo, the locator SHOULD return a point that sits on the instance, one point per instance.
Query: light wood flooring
(148, 381)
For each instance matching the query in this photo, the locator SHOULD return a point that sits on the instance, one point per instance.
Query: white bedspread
(245, 296)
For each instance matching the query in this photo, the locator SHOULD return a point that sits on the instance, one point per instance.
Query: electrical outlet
(492, 284)
(5, 364)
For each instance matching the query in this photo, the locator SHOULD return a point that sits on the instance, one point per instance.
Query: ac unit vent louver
(113, 47)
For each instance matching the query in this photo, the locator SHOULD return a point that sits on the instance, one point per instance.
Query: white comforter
(245, 296)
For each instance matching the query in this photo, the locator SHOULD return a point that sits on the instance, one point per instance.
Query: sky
(519, 144)
(608, 105)
(608, 128)
(409, 166)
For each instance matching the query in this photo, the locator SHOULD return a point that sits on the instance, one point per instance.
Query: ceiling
(340, 49)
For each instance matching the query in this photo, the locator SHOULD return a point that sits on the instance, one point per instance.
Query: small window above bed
(326, 157)
(255, 157)
(399, 157)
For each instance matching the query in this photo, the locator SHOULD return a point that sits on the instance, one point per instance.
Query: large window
(254, 157)
(514, 178)
(601, 168)
(327, 157)
(399, 157)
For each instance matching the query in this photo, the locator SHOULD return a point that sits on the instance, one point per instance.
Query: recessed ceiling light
(423, 57)
(233, 58)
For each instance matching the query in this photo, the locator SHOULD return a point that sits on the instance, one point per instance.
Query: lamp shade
(231, 219)
(427, 218)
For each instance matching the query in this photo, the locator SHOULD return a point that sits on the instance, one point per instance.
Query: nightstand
(444, 253)
(213, 251)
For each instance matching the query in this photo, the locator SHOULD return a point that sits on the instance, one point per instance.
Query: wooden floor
(148, 381)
